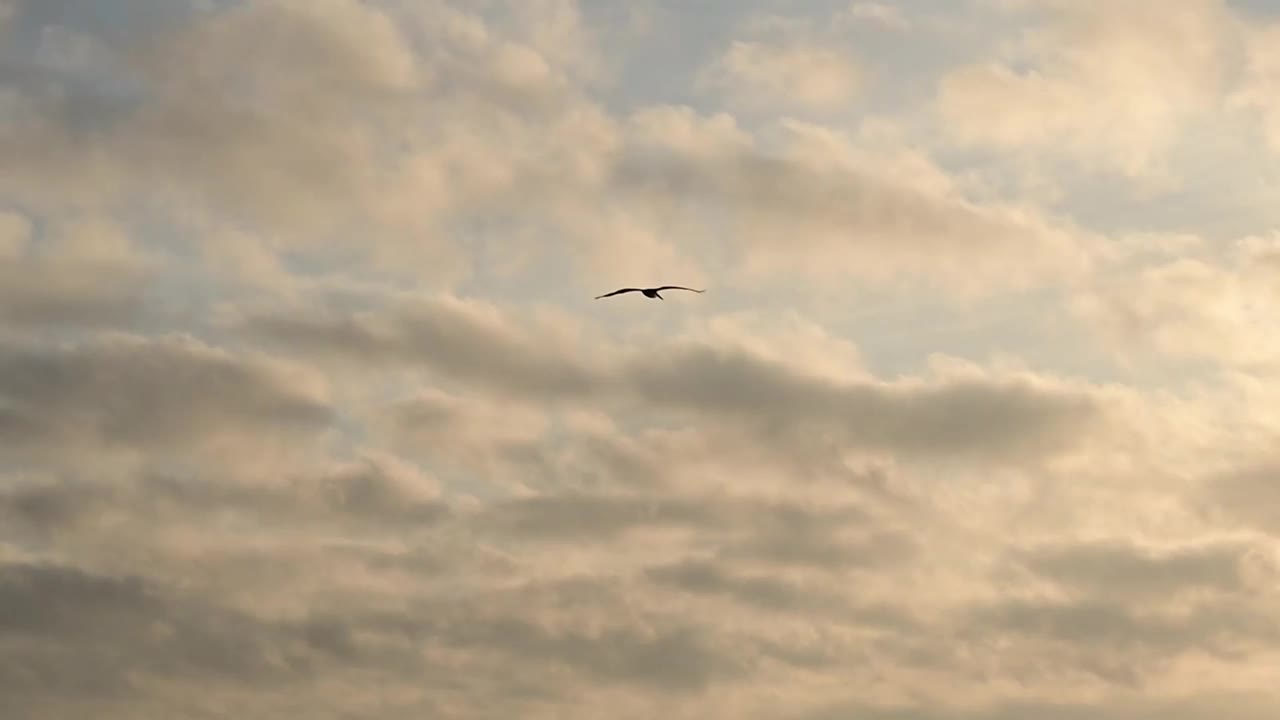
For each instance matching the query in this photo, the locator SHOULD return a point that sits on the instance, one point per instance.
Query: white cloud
(821, 203)
(883, 14)
(762, 76)
(1261, 81)
(1108, 85)
(1197, 307)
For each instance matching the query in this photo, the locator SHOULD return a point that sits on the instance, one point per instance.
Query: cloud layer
(305, 409)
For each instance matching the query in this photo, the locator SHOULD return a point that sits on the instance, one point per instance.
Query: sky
(307, 409)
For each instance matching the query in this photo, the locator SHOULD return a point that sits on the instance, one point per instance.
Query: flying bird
(648, 292)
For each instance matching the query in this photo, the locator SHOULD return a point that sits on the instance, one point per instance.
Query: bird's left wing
(618, 292)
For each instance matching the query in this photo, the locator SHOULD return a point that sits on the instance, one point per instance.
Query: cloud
(305, 409)
(147, 395)
(709, 578)
(675, 660)
(474, 344)
(772, 597)
(1246, 493)
(1241, 705)
(308, 123)
(467, 341)
(448, 123)
(1208, 308)
(888, 16)
(90, 636)
(816, 201)
(256, 149)
(924, 417)
(1123, 569)
(1112, 86)
(88, 276)
(1257, 89)
(566, 517)
(442, 423)
(373, 489)
(1144, 639)
(759, 75)
(813, 547)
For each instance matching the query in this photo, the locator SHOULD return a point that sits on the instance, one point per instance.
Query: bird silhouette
(648, 292)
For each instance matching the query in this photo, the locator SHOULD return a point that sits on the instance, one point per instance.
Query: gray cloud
(456, 339)
(90, 634)
(920, 418)
(1068, 634)
(362, 492)
(153, 394)
(1247, 494)
(127, 644)
(1017, 417)
(87, 275)
(811, 546)
(770, 533)
(592, 517)
(37, 295)
(1124, 569)
(710, 577)
(674, 660)
(1237, 706)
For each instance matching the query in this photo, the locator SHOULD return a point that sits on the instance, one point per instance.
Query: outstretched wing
(677, 287)
(618, 292)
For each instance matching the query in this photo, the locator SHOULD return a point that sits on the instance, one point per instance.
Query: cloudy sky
(306, 409)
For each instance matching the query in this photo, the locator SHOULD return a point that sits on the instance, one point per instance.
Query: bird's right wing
(618, 292)
(677, 287)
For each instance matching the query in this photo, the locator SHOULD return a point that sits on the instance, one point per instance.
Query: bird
(648, 292)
